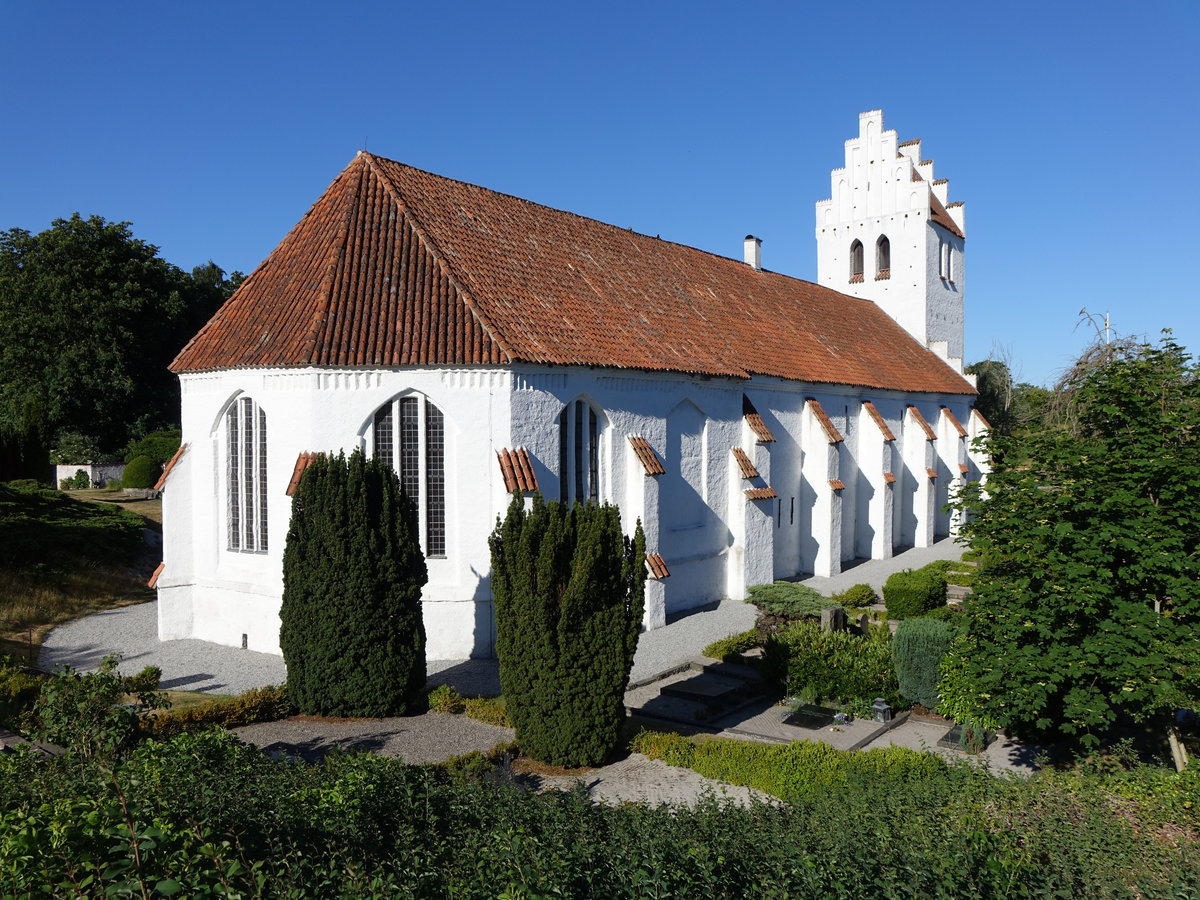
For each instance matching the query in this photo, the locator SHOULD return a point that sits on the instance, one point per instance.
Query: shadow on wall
(483, 646)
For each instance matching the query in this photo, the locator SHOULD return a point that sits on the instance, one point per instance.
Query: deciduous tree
(1087, 598)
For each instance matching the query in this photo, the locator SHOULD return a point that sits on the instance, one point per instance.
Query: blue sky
(1069, 129)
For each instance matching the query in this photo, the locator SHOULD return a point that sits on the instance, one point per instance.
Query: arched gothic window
(580, 431)
(883, 257)
(856, 261)
(246, 476)
(409, 433)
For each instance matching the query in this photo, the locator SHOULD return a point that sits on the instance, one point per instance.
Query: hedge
(917, 649)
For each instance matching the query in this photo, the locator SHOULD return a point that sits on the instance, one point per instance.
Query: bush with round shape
(917, 650)
(141, 472)
(350, 629)
(569, 589)
(859, 596)
(914, 592)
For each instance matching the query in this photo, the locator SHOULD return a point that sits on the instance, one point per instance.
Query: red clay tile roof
(657, 566)
(162, 479)
(645, 453)
(962, 432)
(964, 468)
(756, 423)
(929, 433)
(153, 582)
(938, 214)
(744, 463)
(303, 461)
(763, 493)
(394, 266)
(931, 472)
(889, 478)
(982, 418)
(837, 484)
(517, 470)
(909, 143)
(879, 421)
(831, 432)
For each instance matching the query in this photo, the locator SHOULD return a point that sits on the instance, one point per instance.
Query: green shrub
(350, 628)
(859, 596)
(839, 666)
(264, 704)
(729, 648)
(917, 650)
(77, 482)
(489, 710)
(160, 446)
(18, 693)
(143, 681)
(914, 592)
(801, 770)
(789, 599)
(569, 592)
(445, 699)
(141, 472)
(951, 615)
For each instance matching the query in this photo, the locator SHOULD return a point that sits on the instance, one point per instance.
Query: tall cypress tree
(350, 626)
(569, 590)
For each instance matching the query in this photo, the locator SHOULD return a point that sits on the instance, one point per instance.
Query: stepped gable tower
(889, 234)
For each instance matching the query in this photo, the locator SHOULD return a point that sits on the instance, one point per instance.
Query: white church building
(759, 426)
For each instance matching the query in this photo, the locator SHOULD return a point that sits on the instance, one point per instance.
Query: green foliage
(731, 647)
(264, 704)
(789, 599)
(951, 615)
(838, 665)
(143, 682)
(72, 447)
(858, 596)
(917, 650)
(85, 714)
(489, 710)
(18, 692)
(569, 591)
(77, 482)
(159, 446)
(142, 472)
(350, 624)
(1087, 597)
(108, 379)
(793, 772)
(44, 530)
(205, 815)
(445, 699)
(915, 592)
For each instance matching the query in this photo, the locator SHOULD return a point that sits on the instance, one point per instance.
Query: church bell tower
(889, 234)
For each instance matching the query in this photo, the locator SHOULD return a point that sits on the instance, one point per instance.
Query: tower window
(409, 434)
(883, 258)
(856, 262)
(246, 476)
(579, 435)
(944, 261)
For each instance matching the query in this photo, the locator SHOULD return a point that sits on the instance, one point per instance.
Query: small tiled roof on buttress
(394, 266)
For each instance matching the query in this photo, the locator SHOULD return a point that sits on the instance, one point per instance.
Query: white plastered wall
(727, 543)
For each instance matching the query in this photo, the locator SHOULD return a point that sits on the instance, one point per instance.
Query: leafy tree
(350, 625)
(1087, 597)
(90, 317)
(569, 591)
(160, 446)
(994, 382)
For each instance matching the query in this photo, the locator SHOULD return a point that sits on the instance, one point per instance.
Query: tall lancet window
(856, 262)
(246, 476)
(883, 258)
(580, 432)
(409, 433)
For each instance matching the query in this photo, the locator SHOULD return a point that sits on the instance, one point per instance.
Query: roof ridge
(424, 236)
